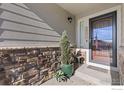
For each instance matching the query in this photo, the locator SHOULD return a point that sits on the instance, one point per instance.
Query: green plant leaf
(65, 48)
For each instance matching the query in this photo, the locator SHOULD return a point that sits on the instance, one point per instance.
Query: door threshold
(109, 68)
(97, 68)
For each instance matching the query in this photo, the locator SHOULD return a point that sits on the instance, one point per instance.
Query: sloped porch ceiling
(85, 9)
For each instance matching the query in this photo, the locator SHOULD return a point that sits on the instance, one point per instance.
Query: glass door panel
(102, 34)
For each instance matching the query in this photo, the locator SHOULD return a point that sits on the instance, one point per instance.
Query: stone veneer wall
(28, 66)
(121, 65)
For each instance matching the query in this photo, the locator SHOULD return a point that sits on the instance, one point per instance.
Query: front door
(103, 39)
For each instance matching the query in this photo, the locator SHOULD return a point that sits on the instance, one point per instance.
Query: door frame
(85, 41)
(114, 35)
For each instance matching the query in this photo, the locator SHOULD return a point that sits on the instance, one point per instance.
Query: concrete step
(72, 81)
(97, 76)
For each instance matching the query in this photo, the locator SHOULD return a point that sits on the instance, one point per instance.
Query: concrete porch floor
(73, 81)
(89, 76)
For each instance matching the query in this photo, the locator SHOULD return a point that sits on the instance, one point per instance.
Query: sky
(104, 33)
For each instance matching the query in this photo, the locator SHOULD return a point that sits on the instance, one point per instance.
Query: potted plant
(60, 76)
(66, 65)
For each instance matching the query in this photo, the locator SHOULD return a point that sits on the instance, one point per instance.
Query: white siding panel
(19, 10)
(17, 44)
(25, 28)
(21, 19)
(16, 35)
(22, 5)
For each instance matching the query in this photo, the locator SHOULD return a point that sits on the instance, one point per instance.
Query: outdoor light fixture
(70, 19)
